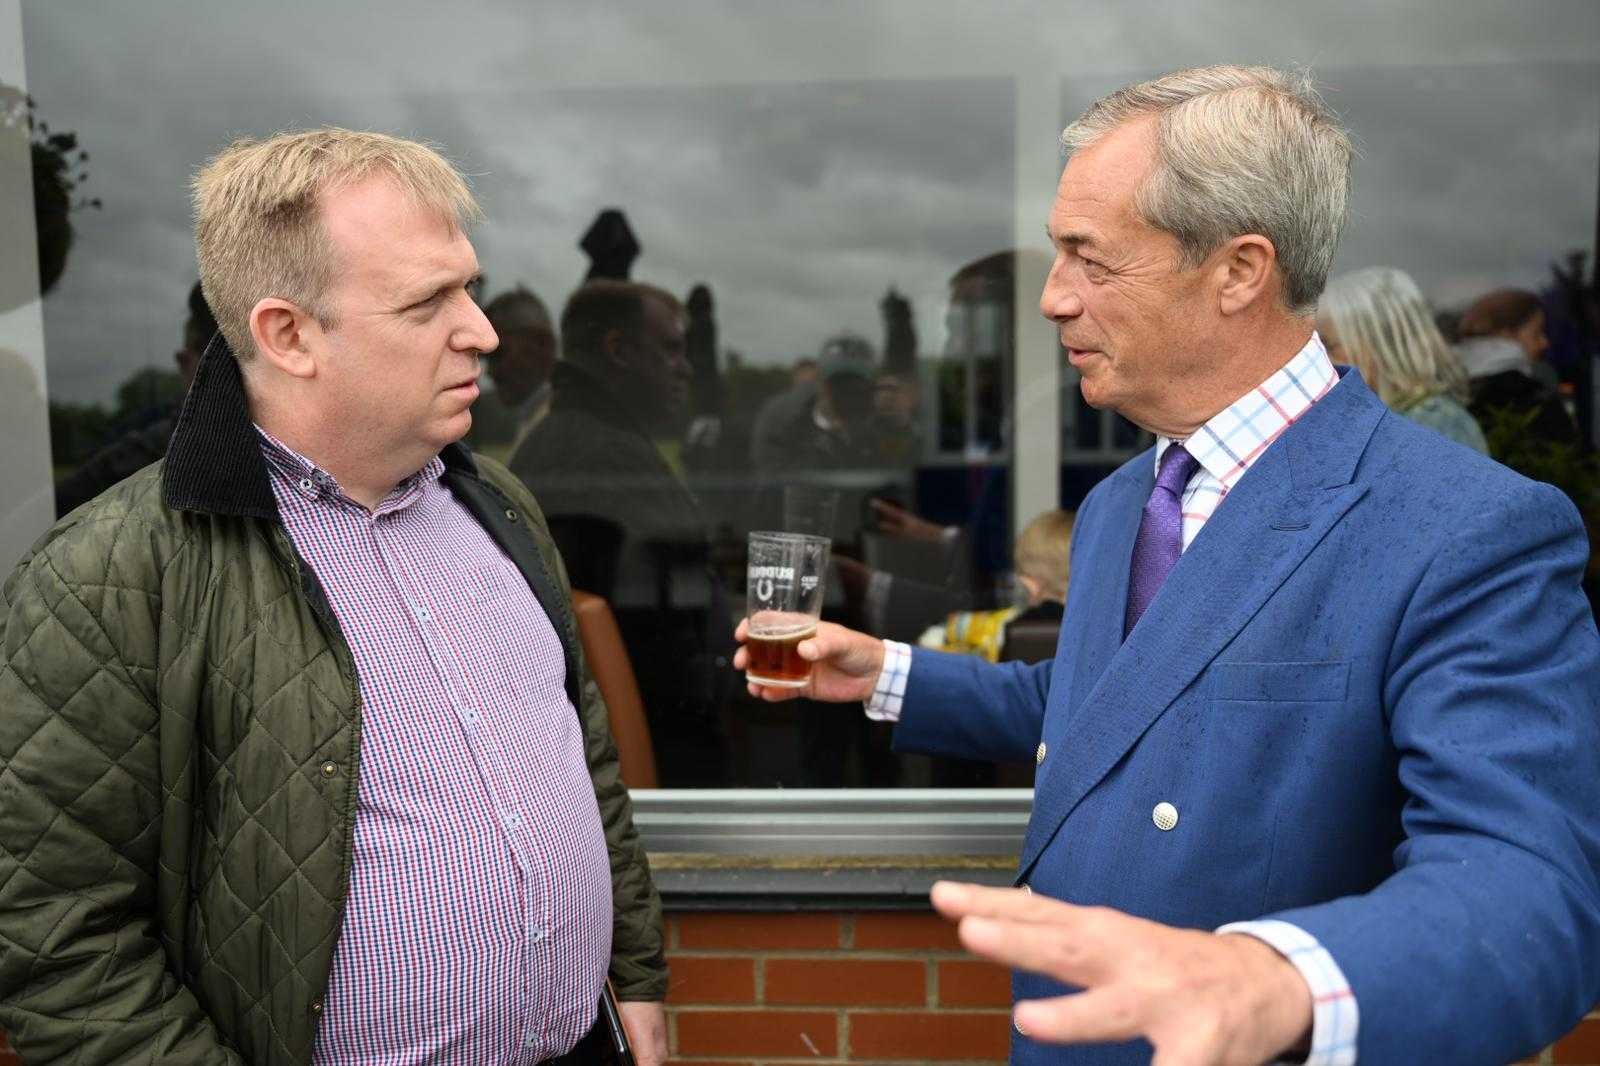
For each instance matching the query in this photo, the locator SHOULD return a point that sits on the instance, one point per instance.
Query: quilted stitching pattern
(137, 843)
(123, 623)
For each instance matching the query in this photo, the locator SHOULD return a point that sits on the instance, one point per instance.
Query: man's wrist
(1286, 1004)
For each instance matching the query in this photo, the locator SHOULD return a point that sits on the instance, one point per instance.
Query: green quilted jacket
(180, 730)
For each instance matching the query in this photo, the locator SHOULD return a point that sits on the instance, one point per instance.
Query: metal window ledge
(810, 849)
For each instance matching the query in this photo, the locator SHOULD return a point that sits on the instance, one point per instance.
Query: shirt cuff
(1335, 1018)
(890, 691)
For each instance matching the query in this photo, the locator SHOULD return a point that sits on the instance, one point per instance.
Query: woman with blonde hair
(1377, 321)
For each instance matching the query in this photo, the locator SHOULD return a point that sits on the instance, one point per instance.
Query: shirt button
(308, 486)
(1165, 816)
(422, 612)
(513, 819)
(469, 716)
(329, 769)
(1038, 756)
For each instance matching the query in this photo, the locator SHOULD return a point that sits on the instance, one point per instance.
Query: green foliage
(745, 386)
(1563, 465)
(149, 387)
(78, 430)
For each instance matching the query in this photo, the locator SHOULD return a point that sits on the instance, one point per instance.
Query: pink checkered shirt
(1226, 446)
(1234, 438)
(478, 923)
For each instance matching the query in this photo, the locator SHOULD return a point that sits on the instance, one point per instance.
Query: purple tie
(1160, 540)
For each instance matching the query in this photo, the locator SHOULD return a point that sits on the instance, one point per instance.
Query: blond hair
(1044, 553)
(1386, 327)
(1238, 150)
(258, 229)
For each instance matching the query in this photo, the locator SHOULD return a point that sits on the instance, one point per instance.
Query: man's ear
(614, 344)
(1245, 269)
(282, 333)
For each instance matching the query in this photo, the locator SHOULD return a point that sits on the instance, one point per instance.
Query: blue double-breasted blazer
(1370, 688)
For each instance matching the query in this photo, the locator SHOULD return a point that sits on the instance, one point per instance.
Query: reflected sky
(799, 158)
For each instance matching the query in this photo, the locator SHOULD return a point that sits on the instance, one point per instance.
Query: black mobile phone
(616, 1052)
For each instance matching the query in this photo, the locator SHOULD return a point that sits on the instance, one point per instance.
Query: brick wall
(758, 989)
(830, 987)
(754, 989)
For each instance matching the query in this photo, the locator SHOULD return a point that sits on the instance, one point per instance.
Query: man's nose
(475, 331)
(1059, 300)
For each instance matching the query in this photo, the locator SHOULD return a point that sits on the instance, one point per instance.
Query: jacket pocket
(1311, 682)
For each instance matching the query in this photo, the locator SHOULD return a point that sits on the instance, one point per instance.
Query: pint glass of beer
(787, 572)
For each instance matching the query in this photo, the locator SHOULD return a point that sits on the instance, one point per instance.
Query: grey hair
(1238, 150)
(1385, 325)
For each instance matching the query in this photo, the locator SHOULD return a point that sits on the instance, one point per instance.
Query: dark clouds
(798, 157)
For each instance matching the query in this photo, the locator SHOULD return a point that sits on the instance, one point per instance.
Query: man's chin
(449, 431)
(1095, 394)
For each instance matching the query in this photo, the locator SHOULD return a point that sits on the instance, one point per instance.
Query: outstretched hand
(1201, 999)
(896, 521)
(845, 665)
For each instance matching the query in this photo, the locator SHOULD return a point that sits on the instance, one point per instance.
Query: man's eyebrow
(427, 292)
(1071, 238)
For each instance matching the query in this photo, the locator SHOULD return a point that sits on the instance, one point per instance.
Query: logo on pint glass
(764, 589)
(808, 584)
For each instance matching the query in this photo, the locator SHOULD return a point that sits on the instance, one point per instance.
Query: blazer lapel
(1099, 585)
(1274, 517)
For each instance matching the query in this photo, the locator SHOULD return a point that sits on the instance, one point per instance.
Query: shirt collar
(312, 482)
(1232, 440)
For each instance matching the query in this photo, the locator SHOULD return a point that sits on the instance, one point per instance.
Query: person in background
(300, 760)
(629, 528)
(520, 369)
(1042, 562)
(822, 424)
(896, 399)
(1502, 340)
(1042, 566)
(1377, 321)
(142, 445)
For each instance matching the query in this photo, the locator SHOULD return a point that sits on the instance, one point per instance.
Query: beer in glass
(786, 577)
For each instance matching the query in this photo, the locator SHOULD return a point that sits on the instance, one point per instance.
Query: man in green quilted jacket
(300, 761)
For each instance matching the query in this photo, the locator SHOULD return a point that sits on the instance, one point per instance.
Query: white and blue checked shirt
(1225, 447)
(477, 927)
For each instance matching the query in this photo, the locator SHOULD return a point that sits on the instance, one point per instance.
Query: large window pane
(860, 187)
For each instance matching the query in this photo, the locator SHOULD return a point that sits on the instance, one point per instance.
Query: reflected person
(823, 424)
(143, 444)
(1377, 321)
(300, 760)
(602, 464)
(1503, 345)
(1317, 760)
(520, 369)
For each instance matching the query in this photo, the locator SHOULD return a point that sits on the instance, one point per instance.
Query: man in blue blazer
(1318, 755)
